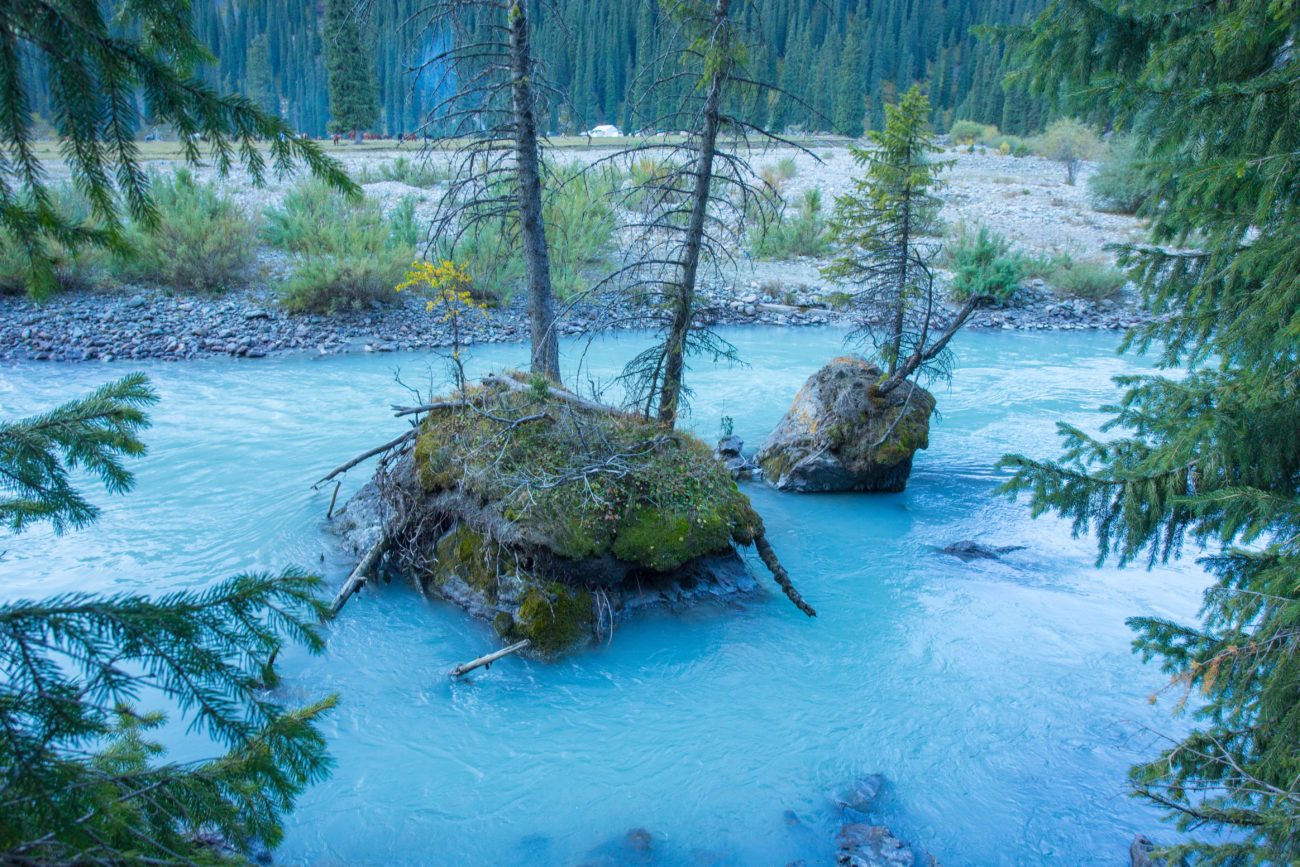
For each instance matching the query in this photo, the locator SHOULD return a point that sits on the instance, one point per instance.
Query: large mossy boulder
(843, 433)
(551, 517)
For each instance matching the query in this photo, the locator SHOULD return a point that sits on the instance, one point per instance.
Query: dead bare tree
(696, 200)
(489, 123)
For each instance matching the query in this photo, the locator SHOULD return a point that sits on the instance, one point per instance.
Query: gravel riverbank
(144, 324)
(1024, 199)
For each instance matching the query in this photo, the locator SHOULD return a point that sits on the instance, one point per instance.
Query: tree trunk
(684, 302)
(537, 263)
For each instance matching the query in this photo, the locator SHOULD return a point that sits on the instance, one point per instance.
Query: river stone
(863, 845)
(840, 434)
(861, 796)
(967, 550)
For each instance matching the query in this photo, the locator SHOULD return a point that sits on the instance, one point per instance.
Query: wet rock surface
(968, 550)
(842, 434)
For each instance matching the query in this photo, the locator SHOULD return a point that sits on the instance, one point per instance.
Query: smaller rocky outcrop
(730, 451)
(967, 550)
(844, 432)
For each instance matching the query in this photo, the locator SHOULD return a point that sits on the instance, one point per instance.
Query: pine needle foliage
(81, 781)
(94, 434)
(109, 66)
(1210, 458)
(881, 223)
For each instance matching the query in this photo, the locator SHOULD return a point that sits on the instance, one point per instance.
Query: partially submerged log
(467, 667)
(550, 515)
(360, 574)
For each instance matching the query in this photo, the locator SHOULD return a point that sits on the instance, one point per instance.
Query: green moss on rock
(465, 554)
(554, 618)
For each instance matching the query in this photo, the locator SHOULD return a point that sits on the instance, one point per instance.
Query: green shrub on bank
(418, 172)
(347, 253)
(777, 176)
(202, 243)
(968, 132)
(1092, 281)
(793, 231)
(983, 264)
(578, 212)
(1069, 142)
(70, 270)
(1119, 185)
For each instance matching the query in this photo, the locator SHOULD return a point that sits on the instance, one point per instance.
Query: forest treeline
(837, 62)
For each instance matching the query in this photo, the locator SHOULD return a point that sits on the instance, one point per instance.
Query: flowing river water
(999, 698)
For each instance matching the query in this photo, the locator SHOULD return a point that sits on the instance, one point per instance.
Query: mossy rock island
(843, 433)
(552, 517)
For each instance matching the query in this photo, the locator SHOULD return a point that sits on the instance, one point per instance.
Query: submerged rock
(863, 845)
(842, 434)
(552, 518)
(1141, 853)
(967, 550)
(861, 796)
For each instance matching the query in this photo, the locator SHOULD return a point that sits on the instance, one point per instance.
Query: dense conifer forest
(838, 62)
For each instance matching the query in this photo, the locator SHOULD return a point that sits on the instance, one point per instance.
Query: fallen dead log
(467, 667)
(782, 577)
(360, 574)
(400, 411)
(558, 393)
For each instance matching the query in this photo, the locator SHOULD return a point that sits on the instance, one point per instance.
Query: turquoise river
(999, 698)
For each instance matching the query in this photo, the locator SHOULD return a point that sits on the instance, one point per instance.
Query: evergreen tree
(349, 64)
(880, 225)
(1209, 454)
(261, 80)
(95, 81)
(80, 780)
(600, 54)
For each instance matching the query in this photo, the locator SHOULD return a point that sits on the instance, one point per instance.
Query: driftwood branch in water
(392, 444)
(467, 667)
(768, 556)
(360, 574)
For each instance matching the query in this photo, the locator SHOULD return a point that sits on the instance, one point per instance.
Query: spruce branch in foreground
(80, 780)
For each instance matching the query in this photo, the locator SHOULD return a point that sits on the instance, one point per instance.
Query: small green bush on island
(202, 243)
(983, 264)
(347, 253)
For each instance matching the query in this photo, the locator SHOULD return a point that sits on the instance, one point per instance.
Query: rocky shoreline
(142, 324)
